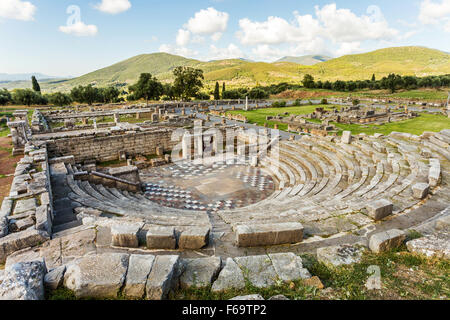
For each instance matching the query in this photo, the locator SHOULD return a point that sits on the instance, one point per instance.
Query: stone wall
(107, 148)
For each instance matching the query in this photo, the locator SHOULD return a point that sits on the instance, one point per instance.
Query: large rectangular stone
(161, 238)
(379, 209)
(21, 240)
(199, 272)
(139, 268)
(268, 234)
(420, 190)
(194, 238)
(162, 278)
(125, 234)
(386, 240)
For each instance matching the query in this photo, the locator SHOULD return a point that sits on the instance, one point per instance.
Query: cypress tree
(36, 86)
(223, 90)
(217, 92)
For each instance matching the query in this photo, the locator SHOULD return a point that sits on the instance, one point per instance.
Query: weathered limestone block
(21, 240)
(97, 276)
(434, 173)
(279, 297)
(251, 297)
(194, 238)
(23, 281)
(55, 278)
(161, 238)
(346, 137)
(420, 190)
(43, 219)
(25, 205)
(339, 255)
(125, 234)
(258, 270)
(199, 272)
(430, 246)
(21, 224)
(231, 277)
(268, 234)
(162, 278)
(386, 240)
(138, 270)
(289, 266)
(379, 209)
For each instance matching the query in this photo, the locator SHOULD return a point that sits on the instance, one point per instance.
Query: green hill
(305, 60)
(417, 61)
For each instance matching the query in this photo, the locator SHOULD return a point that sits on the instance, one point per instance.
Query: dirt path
(7, 166)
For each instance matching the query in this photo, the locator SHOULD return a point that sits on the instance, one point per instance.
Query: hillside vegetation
(417, 61)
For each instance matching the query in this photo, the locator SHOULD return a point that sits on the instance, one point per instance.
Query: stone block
(162, 278)
(194, 238)
(420, 190)
(139, 268)
(289, 266)
(55, 278)
(125, 234)
(268, 234)
(430, 246)
(231, 277)
(24, 205)
(161, 238)
(251, 297)
(379, 209)
(21, 240)
(346, 137)
(23, 281)
(339, 255)
(386, 240)
(97, 276)
(199, 272)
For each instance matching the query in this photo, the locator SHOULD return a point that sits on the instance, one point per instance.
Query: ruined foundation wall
(108, 148)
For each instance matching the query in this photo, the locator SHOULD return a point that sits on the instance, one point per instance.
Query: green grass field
(425, 122)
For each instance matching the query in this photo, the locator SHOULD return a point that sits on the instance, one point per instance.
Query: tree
(169, 91)
(257, 93)
(308, 81)
(188, 82)
(77, 94)
(147, 87)
(27, 97)
(59, 99)
(91, 95)
(223, 89)
(35, 83)
(5, 97)
(110, 94)
(373, 78)
(217, 92)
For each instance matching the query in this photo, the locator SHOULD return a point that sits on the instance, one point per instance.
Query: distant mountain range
(305, 60)
(417, 61)
(24, 77)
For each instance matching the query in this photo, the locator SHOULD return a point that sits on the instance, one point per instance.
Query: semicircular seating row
(123, 203)
(321, 179)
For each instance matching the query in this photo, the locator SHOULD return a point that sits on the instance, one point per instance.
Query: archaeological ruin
(137, 201)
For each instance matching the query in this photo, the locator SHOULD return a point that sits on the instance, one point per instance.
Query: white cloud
(80, 29)
(113, 6)
(183, 37)
(208, 22)
(307, 34)
(230, 52)
(180, 51)
(17, 9)
(435, 13)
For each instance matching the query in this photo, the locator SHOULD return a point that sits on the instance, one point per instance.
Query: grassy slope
(425, 122)
(402, 60)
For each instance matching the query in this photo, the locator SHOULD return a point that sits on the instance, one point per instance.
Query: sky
(74, 37)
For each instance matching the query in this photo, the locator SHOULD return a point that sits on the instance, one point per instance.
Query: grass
(259, 116)
(425, 121)
(403, 276)
(417, 126)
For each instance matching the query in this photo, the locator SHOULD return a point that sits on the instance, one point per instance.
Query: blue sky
(36, 35)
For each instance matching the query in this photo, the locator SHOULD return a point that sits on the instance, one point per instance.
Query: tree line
(392, 82)
(188, 84)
